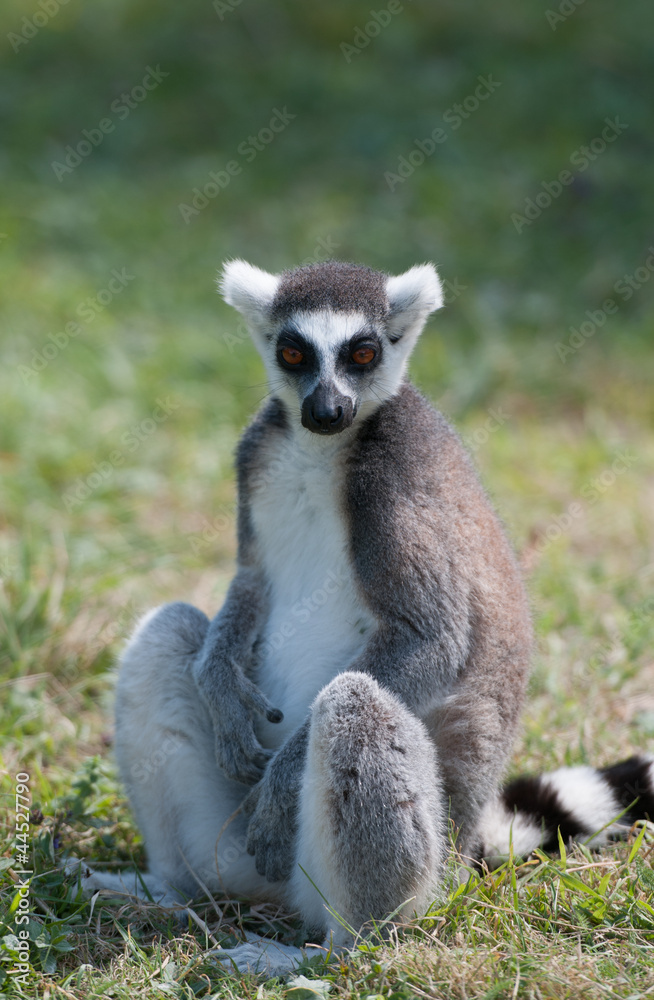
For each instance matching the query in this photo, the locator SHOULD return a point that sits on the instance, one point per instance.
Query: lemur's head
(335, 337)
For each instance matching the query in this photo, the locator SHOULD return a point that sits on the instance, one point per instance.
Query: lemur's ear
(412, 296)
(250, 290)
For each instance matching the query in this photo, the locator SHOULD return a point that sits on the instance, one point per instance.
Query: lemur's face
(335, 338)
(327, 365)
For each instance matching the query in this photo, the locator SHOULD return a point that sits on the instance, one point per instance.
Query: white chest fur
(317, 623)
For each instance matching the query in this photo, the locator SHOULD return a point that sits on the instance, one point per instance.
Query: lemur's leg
(142, 885)
(372, 834)
(165, 748)
(473, 730)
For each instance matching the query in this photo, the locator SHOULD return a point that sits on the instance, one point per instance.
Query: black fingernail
(275, 715)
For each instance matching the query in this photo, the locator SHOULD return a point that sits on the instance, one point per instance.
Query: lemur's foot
(265, 956)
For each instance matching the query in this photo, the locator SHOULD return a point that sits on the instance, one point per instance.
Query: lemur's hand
(234, 701)
(272, 806)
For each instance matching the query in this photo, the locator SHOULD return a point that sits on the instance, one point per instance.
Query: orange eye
(363, 355)
(292, 356)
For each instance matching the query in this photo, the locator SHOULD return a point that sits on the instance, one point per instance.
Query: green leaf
(63, 946)
(170, 972)
(302, 988)
(602, 887)
(461, 888)
(572, 882)
(49, 963)
(636, 847)
(18, 895)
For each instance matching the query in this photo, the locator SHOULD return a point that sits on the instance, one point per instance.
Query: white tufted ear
(412, 297)
(250, 290)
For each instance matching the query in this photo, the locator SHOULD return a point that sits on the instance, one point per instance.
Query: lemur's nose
(327, 411)
(327, 418)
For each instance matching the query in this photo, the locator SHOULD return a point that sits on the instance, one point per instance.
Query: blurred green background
(105, 509)
(323, 176)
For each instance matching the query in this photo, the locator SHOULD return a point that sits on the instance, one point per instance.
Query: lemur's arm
(272, 806)
(220, 674)
(222, 665)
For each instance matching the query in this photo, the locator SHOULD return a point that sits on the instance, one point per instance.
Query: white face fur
(332, 365)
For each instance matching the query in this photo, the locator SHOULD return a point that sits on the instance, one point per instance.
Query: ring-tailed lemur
(367, 669)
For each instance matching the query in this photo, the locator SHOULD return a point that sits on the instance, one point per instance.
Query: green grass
(111, 503)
